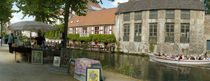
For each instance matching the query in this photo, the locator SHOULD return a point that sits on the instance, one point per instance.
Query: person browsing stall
(40, 39)
(10, 41)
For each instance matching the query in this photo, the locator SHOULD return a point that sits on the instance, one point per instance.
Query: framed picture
(56, 61)
(93, 74)
(37, 57)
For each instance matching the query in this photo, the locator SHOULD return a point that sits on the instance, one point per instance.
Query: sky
(17, 17)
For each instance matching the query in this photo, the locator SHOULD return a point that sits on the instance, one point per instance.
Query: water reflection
(141, 68)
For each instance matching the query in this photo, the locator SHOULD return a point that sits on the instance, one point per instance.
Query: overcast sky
(106, 4)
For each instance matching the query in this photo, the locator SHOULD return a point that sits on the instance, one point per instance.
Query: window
(153, 14)
(185, 33)
(169, 14)
(85, 30)
(169, 29)
(126, 32)
(126, 17)
(208, 45)
(185, 14)
(153, 32)
(106, 29)
(138, 15)
(137, 34)
(96, 30)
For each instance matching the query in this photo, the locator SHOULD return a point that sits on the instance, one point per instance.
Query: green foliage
(54, 34)
(5, 13)
(6, 10)
(43, 10)
(73, 37)
(84, 39)
(103, 38)
(207, 6)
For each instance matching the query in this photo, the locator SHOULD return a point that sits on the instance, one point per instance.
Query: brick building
(95, 22)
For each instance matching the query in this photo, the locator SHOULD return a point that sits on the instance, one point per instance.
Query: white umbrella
(33, 26)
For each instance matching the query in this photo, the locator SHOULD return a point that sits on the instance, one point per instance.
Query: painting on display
(56, 61)
(93, 74)
(37, 57)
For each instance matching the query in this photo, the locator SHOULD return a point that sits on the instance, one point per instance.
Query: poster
(93, 74)
(56, 61)
(37, 57)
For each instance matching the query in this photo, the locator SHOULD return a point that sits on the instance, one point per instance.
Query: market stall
(30, 46)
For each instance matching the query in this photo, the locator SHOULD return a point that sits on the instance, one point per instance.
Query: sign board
(93, 74)
(37, 57)
(56, 61)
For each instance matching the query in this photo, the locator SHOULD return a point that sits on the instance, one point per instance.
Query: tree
(207, 6)
(6, 13)
(47, 11)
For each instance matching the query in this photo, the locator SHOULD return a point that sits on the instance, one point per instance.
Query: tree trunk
(66, 19)
(1, 32)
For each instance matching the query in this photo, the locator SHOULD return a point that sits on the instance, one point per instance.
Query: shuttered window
(169, 14)
(185, 33)
(126, 17)
(126, 32)
(185, 14)
(137, 34)
(138, 15)
(169, 32)
(152, 32)
(153, 14)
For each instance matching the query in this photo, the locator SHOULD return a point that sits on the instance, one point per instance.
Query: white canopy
(33, 26)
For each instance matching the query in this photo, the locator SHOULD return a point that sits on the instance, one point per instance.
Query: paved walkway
(12, 71)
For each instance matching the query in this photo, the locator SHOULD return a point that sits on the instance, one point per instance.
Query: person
(6, 39)
(40, 39)
(10, 42)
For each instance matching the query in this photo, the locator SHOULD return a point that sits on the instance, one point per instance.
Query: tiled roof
(100, 17)
(93, 4)
(139, 5)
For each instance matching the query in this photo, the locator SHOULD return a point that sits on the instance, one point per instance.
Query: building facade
(207, 32)
(95, 22)
(167, 26)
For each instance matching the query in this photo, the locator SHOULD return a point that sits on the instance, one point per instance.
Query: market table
(25, 50)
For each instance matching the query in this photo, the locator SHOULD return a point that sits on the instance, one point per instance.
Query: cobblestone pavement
(12, 71)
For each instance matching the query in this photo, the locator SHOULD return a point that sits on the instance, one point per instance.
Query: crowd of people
(183, 57)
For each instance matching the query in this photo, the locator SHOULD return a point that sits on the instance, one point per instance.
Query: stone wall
(207, 30)
(196, 45)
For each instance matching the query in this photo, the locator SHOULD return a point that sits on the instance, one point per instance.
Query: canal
(140, 67)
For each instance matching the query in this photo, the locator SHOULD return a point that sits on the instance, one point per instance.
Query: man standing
(10, 41)
(40, 39)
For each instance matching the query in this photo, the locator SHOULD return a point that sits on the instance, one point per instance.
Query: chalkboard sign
(37, 57)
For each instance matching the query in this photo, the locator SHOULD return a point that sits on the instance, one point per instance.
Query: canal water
(140, 67)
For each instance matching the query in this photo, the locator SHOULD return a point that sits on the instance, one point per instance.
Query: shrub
(103, 38)
(73, 37)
